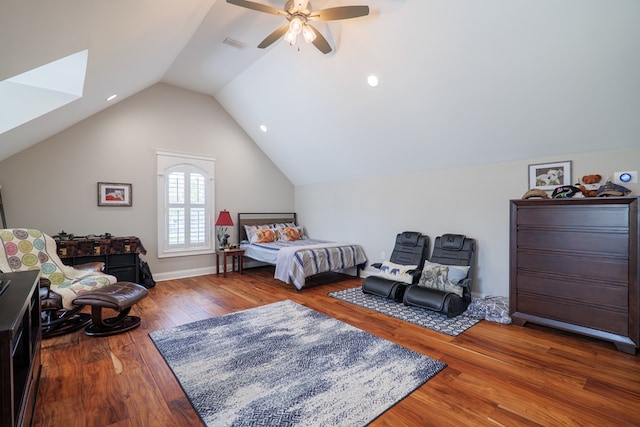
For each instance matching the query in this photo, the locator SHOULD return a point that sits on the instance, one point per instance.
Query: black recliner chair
(448, 250)
(411, 248)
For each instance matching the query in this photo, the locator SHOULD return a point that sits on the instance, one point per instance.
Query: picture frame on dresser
(548, 176)
(114, 194)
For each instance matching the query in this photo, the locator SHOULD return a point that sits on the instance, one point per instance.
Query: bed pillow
(265, 235)
(282, 225)
(250, 231)
(396, 272)
(289, 233)
(443, 277)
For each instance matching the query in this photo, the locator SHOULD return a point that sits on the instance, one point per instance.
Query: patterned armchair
(28, 249)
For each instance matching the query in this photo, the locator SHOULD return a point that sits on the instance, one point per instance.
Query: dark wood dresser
(574, 266)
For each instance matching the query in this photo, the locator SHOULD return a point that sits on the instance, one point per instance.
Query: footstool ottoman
(119, 296)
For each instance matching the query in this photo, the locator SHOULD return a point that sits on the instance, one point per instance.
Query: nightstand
(233, 254)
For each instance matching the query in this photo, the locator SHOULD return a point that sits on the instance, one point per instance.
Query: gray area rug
(429, 319)
(283, 364)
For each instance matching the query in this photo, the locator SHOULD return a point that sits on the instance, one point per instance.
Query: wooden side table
(233, 254)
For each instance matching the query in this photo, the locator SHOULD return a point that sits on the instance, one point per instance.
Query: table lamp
(224, 220)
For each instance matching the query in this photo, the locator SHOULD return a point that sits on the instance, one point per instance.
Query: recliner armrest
(49, 300)
(45, 284)
(466, 282)
(466, 285)
(416, 273)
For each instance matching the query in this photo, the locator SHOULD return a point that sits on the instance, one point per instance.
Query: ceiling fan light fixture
(290, 37)
(308, 34)
(296, 25)
(298, 13)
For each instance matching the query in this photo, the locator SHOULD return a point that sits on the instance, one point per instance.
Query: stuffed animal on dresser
(590, 185)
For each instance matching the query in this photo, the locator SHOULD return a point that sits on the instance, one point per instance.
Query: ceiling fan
(298, 14)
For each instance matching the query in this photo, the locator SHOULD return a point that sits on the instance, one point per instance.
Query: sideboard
(574, 266)
(120, 255)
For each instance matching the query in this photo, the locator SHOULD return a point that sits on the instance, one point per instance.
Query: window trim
(169, 159)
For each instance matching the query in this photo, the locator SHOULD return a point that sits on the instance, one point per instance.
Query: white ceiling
(462, 82)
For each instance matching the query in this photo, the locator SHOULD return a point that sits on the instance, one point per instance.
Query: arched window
(185, 204)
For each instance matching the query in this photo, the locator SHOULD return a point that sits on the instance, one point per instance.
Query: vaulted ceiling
(462, 82)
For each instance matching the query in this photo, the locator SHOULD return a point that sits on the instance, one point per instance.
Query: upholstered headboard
(262, 218)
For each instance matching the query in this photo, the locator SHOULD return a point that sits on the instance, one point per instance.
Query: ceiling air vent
(234, 43)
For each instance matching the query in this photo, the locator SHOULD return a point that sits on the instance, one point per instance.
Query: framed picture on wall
(548, 176)
(114, 194)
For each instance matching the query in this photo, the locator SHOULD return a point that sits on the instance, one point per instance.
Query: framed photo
(548, 176)
(113, 194)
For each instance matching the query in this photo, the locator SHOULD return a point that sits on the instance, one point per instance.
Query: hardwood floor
(497, 375)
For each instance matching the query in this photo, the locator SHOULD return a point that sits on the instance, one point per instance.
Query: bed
(282, 242)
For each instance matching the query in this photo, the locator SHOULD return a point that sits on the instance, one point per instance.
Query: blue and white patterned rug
(429, 319)
(284, 364)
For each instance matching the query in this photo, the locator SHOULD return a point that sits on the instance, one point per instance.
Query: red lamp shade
(224, 219)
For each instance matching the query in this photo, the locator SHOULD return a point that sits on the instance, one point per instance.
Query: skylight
(36, 92)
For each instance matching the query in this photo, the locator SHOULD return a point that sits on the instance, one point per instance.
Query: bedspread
(295, 264)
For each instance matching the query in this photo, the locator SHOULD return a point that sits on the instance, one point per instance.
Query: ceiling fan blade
(279, 32)
(258, 6)
(320, 42)
(335, 13)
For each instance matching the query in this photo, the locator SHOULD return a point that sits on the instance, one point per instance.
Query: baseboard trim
(182, 274)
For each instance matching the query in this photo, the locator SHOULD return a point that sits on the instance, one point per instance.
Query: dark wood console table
(120, 255)
(20, 338)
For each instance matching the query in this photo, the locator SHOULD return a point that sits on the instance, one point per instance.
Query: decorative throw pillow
(250, 230)
(266, 235)
(396, 272)
(443, 277)
(289, 233)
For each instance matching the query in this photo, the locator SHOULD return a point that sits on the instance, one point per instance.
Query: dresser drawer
(574, 312)
(612, 243)
(572, 215)
(609, 269)
(584, 292)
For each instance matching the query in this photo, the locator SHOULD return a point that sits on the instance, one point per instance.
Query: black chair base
(448, 304)
(54, 325)
(112, 326)
(384, 288)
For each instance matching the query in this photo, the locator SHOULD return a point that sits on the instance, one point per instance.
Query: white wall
(52, 186)
(473, 201)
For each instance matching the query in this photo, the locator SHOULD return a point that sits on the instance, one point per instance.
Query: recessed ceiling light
(112, 97)
(372, 80)
(263, 128)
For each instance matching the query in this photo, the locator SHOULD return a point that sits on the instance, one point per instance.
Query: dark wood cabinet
(574, 266)
(124, 266)
(20, 338)
(120, 255)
